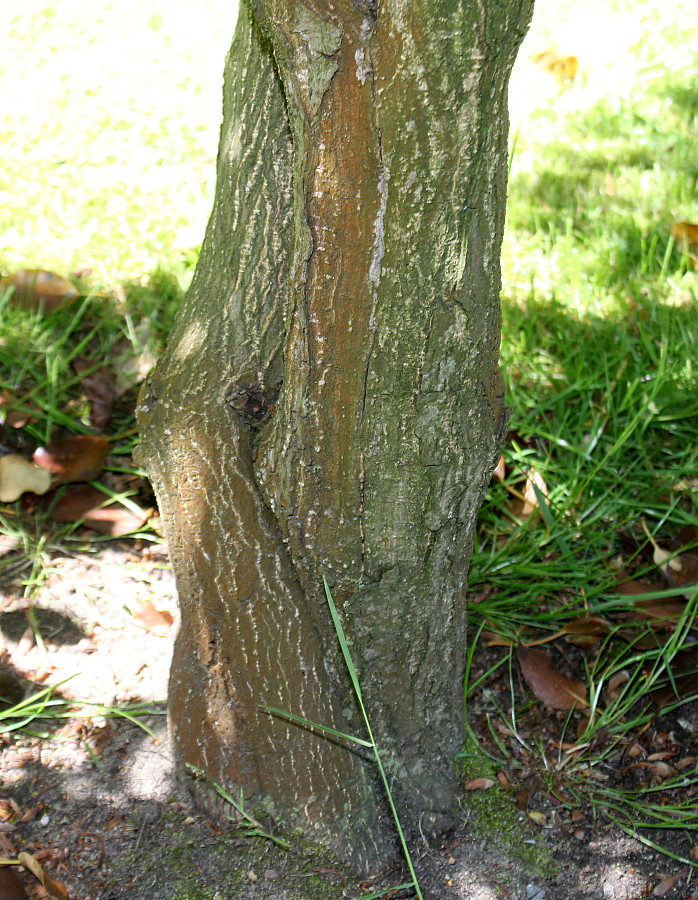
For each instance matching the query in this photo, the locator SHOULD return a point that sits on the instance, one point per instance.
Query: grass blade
(323, 728)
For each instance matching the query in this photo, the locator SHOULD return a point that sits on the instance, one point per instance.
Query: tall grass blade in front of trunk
(370, 743)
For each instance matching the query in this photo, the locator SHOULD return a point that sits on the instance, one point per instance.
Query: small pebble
(44, 820)
(533, 892)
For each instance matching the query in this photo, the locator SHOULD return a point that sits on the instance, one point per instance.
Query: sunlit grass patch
(109, 128)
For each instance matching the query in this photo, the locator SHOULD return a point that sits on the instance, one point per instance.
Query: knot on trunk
(251, 402)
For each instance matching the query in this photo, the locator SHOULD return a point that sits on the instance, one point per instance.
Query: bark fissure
(364, 70)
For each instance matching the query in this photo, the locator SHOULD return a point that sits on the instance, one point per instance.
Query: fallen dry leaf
(479, 784)
(154, 618)
(586, 631)
(86, 503)
(616, 681)
(503, 781)
(18, 475)
(547, 685)
(679, 569)
(32, 812)
(661, 770)
(75, 458)
(627, 587)
(665, 885)
(36, 289)
(682, 570)
(538, 818)
(664, 611)
(53, 888)
(529, 494)
(523, 503)
(522, 799)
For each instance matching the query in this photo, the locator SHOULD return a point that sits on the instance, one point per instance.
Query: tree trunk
(330, 405)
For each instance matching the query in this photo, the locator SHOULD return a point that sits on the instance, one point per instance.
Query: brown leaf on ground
(524, 503)
(538, 818)
(84, 502)
(547, 685)
(627, 587)
(616, 681)
(679, 569)
(522, 799)
(32, 812)
(479, 784)
(11, 888)
(99, 384)
(666, 885)
(662, 610)
(682, 570)
(153, 617)
(75, 458)
(36, 289)
(665, 611)
(495, 640)
(53, 888)
(586, 631)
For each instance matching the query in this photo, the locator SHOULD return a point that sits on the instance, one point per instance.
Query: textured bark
(330, 403)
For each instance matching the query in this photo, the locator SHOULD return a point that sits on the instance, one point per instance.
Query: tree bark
(330, 405)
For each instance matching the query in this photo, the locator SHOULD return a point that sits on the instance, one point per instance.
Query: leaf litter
(622, 734)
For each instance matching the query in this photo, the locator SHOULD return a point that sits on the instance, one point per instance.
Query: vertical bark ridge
(313, 479)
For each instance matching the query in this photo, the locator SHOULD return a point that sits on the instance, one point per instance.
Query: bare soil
(98, 802)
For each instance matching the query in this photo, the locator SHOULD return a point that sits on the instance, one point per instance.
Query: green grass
(109, 129)
(600, 329)
(47, 707)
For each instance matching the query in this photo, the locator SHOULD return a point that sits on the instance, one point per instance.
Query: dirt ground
(99, 805)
